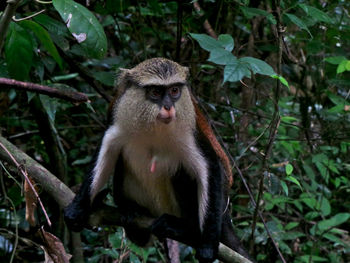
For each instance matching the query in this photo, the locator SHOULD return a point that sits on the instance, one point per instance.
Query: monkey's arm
(211, 231)
(77, 212)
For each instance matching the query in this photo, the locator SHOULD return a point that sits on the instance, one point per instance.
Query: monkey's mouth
(165, 120)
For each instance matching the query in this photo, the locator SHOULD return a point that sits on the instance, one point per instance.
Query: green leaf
(258, 66)
(116, 239)
(113, 253)
(85, 160)
(335, 98)
(323, 170)
(282, 79)
(44, 38)
(84, 26)
(335, 239)
(221, 56)
(294, 19)
(325, 206)
(284, 187)
(343, 66)
(50, 106)
(333, 166)
(335, 60)
(294, 180)
(316, 14)
(226, 41)
(310, 202)
(252, 12)
(312, 258)
(321, 157)
(336, 109)
(107, 78)
(206, 42)
(18, 52)
(289, 119)
(336, 220)
(292, 235)
(309, 171)
(235, 71)
(289, 169)
(52, 25)
(291, 225)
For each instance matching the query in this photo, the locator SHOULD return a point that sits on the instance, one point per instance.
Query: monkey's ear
(123, 79)
(123, 72)
(124, 75)
(187, 72)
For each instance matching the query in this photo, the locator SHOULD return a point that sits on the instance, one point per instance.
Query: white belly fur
(153, 191)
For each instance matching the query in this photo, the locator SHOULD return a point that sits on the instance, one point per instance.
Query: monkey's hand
(206, 253)
(168, 226)
(76, 216)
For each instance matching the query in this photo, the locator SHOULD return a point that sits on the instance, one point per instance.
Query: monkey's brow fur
(162, 69)
(157, 67)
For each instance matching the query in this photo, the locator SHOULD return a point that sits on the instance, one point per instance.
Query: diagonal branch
(53, 186)
(72, 96)
(22, 169)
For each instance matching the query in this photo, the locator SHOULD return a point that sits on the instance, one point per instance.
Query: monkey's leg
(229, 238)
(139, 235)
(180, 229)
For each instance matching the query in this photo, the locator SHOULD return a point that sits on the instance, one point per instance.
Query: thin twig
(27, 17)
(72, 96)
(276, 120)
(25, 174)
(206, 23)
(43, 2)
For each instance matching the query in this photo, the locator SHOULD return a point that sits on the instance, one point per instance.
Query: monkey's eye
(155, 92)
(174, 92)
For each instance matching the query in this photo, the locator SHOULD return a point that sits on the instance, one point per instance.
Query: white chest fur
(152, 188)
(171, 148)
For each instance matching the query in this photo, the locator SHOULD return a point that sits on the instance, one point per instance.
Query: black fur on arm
(76, 214)
(208, 248)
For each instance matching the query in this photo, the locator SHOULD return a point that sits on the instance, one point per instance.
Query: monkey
(165, 161)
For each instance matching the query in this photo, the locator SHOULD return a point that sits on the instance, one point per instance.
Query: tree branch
(72, 96)
(206, 23)
(6, 19)
(53, 186)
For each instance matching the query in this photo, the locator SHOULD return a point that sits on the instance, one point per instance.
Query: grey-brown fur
(132, 109)
(154, 68)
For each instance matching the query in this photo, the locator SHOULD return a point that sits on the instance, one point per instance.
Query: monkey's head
(154, 94)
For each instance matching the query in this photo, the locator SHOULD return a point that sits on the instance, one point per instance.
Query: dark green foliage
(305, 199)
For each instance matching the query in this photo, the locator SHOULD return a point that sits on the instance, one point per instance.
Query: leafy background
(282, 116)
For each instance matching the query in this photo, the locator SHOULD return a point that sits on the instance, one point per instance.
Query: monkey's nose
(167, 107)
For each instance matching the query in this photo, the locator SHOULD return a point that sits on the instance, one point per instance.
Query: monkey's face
(152, 107)
(155, 96)
(164, 97)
